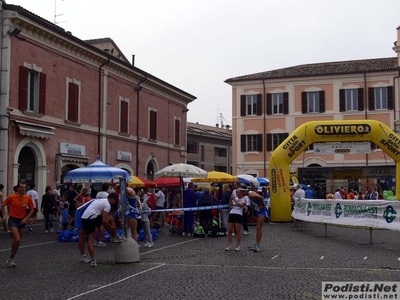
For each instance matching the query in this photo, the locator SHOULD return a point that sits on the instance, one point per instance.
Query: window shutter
(342, 100)
(124, 117)
(322, 101)
(285, 103)
(259, 104)
(269, 141)
(42, 94)
(177, 132)
(304, 102)
(73, 94)
(23, 88)
(269, 104)
(153, 125)
(242, 105)
(259, 142)
(360, 96)
(390, 97)
(243, 143)
(371, 98)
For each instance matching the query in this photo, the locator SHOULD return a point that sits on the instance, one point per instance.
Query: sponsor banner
(367, 213)
(342, 148)
(360, 290)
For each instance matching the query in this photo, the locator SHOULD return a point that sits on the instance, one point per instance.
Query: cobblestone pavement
(292, 263)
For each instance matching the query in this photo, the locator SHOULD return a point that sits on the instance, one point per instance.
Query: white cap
(308, 186)
(102, 195)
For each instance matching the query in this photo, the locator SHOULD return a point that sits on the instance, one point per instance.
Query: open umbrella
(167, 181)
(216, 176)
(95, 172)
(141, 182)
(181, 170)
(249, 178)
(263, 181)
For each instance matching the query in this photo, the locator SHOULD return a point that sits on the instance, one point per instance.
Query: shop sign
(72, 149)
(125, 156)
(342, 148)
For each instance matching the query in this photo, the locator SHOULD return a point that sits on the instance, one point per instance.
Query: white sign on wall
(126, 156)
(72, 149)
(342, 148)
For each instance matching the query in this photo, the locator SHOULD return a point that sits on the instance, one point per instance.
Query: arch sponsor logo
(342, 129)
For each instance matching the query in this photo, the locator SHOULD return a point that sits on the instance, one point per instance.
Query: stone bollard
(128, 251)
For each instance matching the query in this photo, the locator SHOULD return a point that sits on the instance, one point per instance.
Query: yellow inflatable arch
(323, 131)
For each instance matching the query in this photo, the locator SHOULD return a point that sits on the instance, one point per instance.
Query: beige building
(268, 106)
(209, 147)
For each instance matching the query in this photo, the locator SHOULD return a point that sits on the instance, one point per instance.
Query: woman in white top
(236, 218)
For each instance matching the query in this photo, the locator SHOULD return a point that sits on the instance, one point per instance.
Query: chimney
(133, 59)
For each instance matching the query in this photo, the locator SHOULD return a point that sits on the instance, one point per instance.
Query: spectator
(225, 200)
(35, 199)
(300, 193)
(189, 200)
(205, 215)
(47, 208)
(309, 192)
(338, 194)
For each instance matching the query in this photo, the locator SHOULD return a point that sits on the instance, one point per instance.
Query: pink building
(65, 101)
(267, 106)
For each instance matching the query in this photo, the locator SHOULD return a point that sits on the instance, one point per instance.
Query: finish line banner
(366, 213)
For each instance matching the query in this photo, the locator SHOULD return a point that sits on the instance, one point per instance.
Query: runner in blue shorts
(134, 203)
(262, 215)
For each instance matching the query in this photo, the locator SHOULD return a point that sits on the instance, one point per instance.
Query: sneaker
(30, 230)
(117, 239)
(233, 234)
(189, 234)
(150, 245)
(246, 232)
(84, 260)
(100, 244)
(146, 244)
(183, 234)
(51, 230)
(237, 248)
(229, 248)
(95, 243)
(46, 231)
(11, 262)
(93, 262)
(256, 248)
(251, 248)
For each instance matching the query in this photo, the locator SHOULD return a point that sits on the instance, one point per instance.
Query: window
(123, 115)
(251, 142)
(194, 163)
(221, 152)
(73, 88)
(250, 105)
(351, 99)
(32, 89)
(202, 153)
(275, 139)
(313, 102)
(380, 98)
(153, 125)
(192, 147)
(177, 131)
(278, 104)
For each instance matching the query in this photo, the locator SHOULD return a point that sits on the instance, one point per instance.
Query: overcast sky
(196, 45)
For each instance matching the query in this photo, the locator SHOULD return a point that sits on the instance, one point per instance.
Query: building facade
(209, 148)
(65, 102)
(268, 106)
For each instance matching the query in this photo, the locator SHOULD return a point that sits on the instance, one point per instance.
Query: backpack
(199, 231)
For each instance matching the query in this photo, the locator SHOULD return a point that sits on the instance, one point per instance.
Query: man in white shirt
(95, 215)
(338, 195)
(299, 193)
(35, 199)
(160, 201)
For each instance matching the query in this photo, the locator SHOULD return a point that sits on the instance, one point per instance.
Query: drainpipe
(138, 88)
(394, 100)
(366, 110)
(264, 130)
(99, 112)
